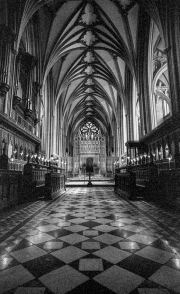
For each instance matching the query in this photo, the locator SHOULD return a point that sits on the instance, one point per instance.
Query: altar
(90, 150)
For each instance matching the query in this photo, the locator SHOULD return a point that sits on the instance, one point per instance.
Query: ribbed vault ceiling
(89, 44)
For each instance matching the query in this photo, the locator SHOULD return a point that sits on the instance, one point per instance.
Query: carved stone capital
(4, 88)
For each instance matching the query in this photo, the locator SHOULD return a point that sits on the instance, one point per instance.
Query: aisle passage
(88, 242)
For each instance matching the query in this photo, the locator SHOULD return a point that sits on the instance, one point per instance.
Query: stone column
(7, 37)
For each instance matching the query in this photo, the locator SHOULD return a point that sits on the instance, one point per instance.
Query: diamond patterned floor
(90, 242)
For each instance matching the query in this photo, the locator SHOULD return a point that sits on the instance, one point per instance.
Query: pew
(10, 185)
(54, 184)
(34, 181)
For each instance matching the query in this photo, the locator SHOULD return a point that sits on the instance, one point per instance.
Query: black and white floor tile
(90, 241)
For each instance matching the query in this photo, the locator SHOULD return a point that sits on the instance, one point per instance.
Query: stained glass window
(89, 128)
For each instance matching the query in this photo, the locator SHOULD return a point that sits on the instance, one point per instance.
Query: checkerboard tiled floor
(90, 242)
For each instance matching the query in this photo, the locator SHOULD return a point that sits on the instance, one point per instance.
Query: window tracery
(89, 131)
(160, 100)
(161, 96)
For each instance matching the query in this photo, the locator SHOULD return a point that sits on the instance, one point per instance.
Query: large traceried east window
(89, 131)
